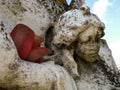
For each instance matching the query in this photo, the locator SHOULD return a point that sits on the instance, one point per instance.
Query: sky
(109, 13)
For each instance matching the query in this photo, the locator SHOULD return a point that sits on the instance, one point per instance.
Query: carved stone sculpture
(84, 61)
(78, 38)
(78, 33)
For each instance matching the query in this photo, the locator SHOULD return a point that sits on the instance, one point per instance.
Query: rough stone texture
(79, 35)
(98, 75)
(16, 74)
(39, 15)
(85, 60)
(107, 57)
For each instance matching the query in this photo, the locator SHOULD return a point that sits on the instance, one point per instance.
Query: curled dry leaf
(28, 45)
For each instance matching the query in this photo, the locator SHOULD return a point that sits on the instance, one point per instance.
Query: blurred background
(109, 12)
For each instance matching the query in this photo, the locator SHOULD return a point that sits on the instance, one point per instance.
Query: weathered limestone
(16, 74)
(78, 34)
(98, 75)
(39, 15)
(107, 57)
(86, 58)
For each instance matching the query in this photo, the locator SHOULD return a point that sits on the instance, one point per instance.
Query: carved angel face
(86, 30)
(88, 43)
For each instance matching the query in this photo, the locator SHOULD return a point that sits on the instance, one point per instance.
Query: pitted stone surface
(71, 34)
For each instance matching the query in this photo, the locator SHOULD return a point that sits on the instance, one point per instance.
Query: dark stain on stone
(2, 26)
(49, 37)
(16, 87)
(16, 7)
(36, 83)
(3, 88)
(111, 75)
(13, 66)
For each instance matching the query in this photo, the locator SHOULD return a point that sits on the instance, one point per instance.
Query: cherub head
(81, 31)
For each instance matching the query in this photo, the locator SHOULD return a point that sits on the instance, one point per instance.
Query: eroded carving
(78, 33)
(76, 42)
